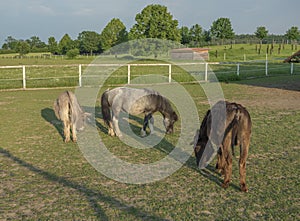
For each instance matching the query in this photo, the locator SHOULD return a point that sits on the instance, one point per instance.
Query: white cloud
(41, 10)
(84, 12)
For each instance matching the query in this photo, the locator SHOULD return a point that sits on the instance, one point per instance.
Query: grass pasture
(43, 178)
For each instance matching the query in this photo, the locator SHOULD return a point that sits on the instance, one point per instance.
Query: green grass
(62, 72)
(46, 179)
(248, 52)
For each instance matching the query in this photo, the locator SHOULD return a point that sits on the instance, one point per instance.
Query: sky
(23, 19)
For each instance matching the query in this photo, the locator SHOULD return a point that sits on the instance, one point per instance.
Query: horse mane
(163, 105)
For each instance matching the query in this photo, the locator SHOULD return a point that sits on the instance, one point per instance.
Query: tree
(66, 44)
(52, 45)
(113, 34)
(261, 33)
(196, 35)
(35, 43)
(207, 36)
(73, 53)
(293, 33)
(89, 42)
(185, 35)
(221, 29)
(155, 22)
(11, 43)
(22, 48)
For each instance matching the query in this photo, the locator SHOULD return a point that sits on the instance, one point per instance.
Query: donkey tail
(105, 108)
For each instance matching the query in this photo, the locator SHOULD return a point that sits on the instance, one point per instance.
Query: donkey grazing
(136, 101)
(227, 131)
(68, 110)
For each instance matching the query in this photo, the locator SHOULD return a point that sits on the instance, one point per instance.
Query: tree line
(154, 21)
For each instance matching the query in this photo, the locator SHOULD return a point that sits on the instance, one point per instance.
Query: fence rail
(73, 74)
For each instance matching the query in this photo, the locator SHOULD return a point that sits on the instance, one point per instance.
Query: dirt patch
(270, 98)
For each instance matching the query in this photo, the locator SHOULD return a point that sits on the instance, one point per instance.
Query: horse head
(169, 122)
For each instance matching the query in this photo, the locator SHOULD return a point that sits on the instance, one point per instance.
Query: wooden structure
(295, 58)
(190, 54)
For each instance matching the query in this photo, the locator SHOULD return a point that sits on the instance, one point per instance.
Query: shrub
(73, 53)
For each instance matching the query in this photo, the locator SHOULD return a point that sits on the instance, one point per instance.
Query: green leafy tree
(155, 22)
(89, 42)
(185, 35)
(196, 35)
(73, 53)
(261, 33)
(52, 45)
(222, 29)
(66, 44)
(293, 33)
(207, 36)
(11, 43)
(22, 48)
(113, 34)
(35, 43)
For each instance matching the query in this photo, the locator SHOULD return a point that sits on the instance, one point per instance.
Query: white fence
(237, 69)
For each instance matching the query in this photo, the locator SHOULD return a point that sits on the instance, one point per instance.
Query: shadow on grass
(49, 115)
(209, 173)
(93, 196)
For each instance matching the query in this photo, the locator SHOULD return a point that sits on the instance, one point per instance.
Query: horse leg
(74, 132)
(145, 124)
(227, 161)
(116, 125)
(66, 131)
(227, 171)
(151, 124)
(244, 148)
(111, 131)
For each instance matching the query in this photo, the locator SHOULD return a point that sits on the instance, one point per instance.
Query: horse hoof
(225, 185)
(244, 188)
(143, 133)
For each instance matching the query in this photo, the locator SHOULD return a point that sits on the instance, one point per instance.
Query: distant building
(190, 54)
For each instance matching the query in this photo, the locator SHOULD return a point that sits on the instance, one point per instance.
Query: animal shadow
(49, 115)
(210, 173)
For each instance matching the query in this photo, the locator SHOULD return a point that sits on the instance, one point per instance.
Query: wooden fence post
(79, 77)
(170, 73)
(266, 64)
(24, 77)
(205, 75)
(128, 74)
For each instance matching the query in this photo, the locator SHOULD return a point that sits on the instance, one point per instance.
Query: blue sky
(23, 19)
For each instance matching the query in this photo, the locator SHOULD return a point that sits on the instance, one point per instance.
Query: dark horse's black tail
(105, 107)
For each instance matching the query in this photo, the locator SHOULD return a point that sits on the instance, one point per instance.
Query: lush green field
(43, 178)
(50, 73)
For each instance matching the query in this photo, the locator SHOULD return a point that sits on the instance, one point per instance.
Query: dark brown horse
(231, 127)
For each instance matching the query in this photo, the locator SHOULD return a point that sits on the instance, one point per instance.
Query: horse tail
(56, 108)
(233, 127)
(105, 108)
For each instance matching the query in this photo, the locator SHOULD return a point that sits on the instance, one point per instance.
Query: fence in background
(37, 76)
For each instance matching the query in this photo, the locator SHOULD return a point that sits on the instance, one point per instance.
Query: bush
(73, 53)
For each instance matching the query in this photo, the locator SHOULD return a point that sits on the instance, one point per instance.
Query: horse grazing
(68, 110)
(235, 130)
(136, 101)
